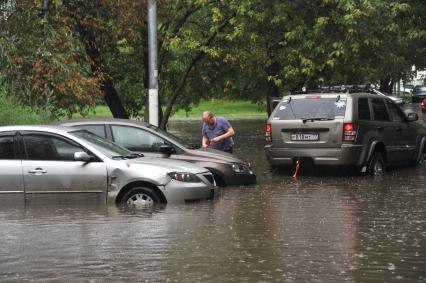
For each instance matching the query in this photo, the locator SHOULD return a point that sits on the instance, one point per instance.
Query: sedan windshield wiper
(118, 157)
(304, 120)
(128, 156)
(134, 155)
(193, 146)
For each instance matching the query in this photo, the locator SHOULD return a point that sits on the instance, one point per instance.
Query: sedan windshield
(172, 137)
(109, 149)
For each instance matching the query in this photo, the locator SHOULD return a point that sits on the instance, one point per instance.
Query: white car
(54, 161)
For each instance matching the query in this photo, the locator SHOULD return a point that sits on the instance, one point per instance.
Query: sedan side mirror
(411, 117)
(82, 156)
(167, 149)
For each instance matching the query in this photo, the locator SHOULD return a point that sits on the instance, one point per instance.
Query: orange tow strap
(297, 168)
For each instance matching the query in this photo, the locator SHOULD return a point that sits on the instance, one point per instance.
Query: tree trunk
(107, 85)
(46, 5)
(178, 90)
(273, 91)
(185, 75)
(386, 85)
(113, 100)
(272, 95)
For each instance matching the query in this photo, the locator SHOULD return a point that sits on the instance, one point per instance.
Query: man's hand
(215, 139)
(205, 142)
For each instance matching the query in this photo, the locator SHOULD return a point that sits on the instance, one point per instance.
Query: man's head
(209, 118)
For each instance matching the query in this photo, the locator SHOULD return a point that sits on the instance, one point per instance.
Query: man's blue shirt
(219, 128)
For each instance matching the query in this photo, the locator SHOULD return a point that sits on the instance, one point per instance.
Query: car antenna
(338, 98)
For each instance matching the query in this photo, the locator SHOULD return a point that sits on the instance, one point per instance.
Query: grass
(233, 109)
(11, 113)
(101, 111)
(229, 108)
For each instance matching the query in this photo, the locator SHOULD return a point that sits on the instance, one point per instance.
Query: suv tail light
(268, 133)
(350, 131)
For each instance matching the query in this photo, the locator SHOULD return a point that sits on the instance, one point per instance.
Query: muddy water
(317, 228)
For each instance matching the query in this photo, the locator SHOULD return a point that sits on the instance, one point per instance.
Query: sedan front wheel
(140, 197)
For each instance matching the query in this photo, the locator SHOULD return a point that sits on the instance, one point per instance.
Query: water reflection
(310, 229)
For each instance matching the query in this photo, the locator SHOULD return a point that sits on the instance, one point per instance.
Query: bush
(12, 113)
(406, 96)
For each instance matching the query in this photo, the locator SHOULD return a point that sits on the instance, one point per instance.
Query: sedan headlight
(240, 168)
(184, 177)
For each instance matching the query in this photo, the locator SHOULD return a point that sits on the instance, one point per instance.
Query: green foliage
(406, 96)
(311, 43)
(237, 49)
(100, 111)
(43, 62)
(12, 113)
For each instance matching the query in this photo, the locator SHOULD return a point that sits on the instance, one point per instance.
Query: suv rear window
(311, 108)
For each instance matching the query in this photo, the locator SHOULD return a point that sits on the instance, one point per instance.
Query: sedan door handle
(379, 128)
(398, 129)
(38, 171)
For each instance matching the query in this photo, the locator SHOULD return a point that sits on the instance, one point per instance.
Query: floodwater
(316, 228)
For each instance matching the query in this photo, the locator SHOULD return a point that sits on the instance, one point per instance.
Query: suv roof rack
(339, 89)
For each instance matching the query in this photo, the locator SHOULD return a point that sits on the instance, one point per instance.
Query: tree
(43, 63)
(69, 55)
(199, 38)
(291, 44)
(68, 66)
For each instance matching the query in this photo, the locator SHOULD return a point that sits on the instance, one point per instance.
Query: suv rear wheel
(377, 165)
(421, 160)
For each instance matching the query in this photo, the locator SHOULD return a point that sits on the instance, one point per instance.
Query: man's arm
(205, 142)
(229, 133)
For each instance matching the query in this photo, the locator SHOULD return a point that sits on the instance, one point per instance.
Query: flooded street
(316, 228)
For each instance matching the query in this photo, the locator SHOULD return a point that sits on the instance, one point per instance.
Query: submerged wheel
(140, 197)
(377, 165)
(219, 181)
(421, 159)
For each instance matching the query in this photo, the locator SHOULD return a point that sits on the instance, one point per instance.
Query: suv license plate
(305, 137)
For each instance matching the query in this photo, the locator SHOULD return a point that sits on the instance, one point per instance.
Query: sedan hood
(215, 155)
(169, 165)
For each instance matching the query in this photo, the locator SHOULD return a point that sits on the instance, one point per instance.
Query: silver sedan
(138, 136)
(61, 161)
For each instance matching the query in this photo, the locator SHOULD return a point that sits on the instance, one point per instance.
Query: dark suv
(363, 130)
(419, 93)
